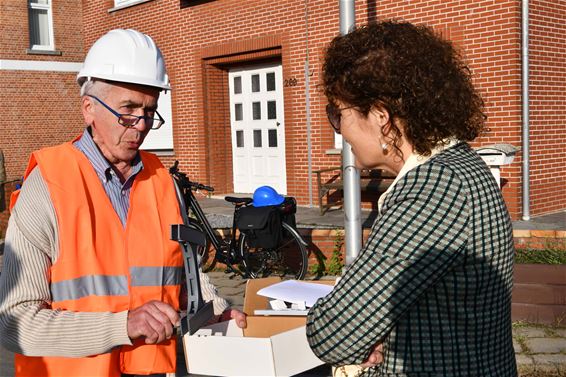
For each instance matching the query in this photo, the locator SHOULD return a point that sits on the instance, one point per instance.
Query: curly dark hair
(414, 74)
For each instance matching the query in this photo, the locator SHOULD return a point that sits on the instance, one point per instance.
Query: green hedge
(543, 256)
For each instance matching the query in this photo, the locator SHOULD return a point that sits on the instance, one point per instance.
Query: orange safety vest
(104, 266)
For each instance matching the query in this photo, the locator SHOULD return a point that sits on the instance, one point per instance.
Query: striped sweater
(27, 326)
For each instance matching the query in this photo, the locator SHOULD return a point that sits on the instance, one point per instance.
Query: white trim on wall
(38, 65)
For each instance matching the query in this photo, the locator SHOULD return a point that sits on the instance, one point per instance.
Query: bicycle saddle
(235, 200)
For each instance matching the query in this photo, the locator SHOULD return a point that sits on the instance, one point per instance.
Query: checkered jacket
(433, 282)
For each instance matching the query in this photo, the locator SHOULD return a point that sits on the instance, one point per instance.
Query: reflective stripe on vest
(105, 285)
(104, 266)
(151, 276)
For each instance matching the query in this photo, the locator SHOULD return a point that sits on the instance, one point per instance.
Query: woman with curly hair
(430, 292)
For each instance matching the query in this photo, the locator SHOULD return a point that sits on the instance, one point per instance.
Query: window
(120, 4)
(238, 111)
(239, 139)
(117, 3)
(162, 138)
(271, 110)
(256, 110)
(238, 85)
(270, 78)
(257, 138)
(40, 25)
(255, 83)
(272, 138)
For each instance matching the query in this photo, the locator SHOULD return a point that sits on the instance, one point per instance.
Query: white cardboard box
(269, 346)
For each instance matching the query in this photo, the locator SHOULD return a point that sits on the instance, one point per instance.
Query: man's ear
(87, 108)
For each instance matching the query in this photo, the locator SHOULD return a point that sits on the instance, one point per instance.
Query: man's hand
(375, 357)
(153, 320)
(235, 314)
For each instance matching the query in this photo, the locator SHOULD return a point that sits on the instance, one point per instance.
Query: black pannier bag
(288, 209)
(261, 225)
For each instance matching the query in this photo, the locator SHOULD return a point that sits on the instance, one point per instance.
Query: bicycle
(289, 259)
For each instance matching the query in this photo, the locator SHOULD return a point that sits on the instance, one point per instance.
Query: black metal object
(198, 311)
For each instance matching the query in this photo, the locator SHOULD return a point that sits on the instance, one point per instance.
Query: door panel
(258, 128)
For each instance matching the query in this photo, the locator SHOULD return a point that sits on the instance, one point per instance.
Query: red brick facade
(202, 40)
(548, 106)
(39, 108)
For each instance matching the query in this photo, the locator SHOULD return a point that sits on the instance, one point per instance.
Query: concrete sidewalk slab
(220, 213)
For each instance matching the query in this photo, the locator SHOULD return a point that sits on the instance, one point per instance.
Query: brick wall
(38, 108)
(202, 40)
(67, 26)
(548, 105)
(487, 31)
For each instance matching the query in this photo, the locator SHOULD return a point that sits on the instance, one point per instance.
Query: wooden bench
(329, 181)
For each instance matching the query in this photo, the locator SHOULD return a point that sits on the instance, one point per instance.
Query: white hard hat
(125, 56)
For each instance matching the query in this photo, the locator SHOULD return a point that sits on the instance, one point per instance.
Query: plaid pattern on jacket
(433, 282)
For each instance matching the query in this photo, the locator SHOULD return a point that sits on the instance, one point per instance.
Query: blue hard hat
(267, 196)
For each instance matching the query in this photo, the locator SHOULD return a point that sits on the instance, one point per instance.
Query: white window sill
(123, 6)
(35, 51)
(334, 151)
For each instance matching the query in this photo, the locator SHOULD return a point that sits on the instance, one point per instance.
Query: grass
(529, 372)
(558, 325)
(551, 255)
(522, 341)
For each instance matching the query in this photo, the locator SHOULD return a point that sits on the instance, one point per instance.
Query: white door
(258, 128)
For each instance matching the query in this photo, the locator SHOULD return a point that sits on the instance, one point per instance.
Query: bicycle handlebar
(185, 182)
(199, 186)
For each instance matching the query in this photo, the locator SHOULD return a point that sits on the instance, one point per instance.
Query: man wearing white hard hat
(91, 281)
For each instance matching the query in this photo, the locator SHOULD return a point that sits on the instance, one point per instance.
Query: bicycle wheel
(206, 258)
(288, 260)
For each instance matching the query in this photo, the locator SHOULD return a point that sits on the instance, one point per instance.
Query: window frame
(49, 8)
(124, 3)
(161, 140)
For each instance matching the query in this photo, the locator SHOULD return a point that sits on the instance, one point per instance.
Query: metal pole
(308, 101)
(525, 107)
(351, 176)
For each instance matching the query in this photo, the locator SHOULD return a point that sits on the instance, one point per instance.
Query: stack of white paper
(300, 294)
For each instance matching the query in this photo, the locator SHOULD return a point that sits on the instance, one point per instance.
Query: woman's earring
(384, 146)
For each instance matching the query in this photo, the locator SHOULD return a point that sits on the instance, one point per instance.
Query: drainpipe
(2, 181)
(351, 175)
(525, 106)
(308, 102)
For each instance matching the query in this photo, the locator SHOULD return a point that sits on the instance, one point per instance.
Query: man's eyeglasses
(129, 120)
(334, 114)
